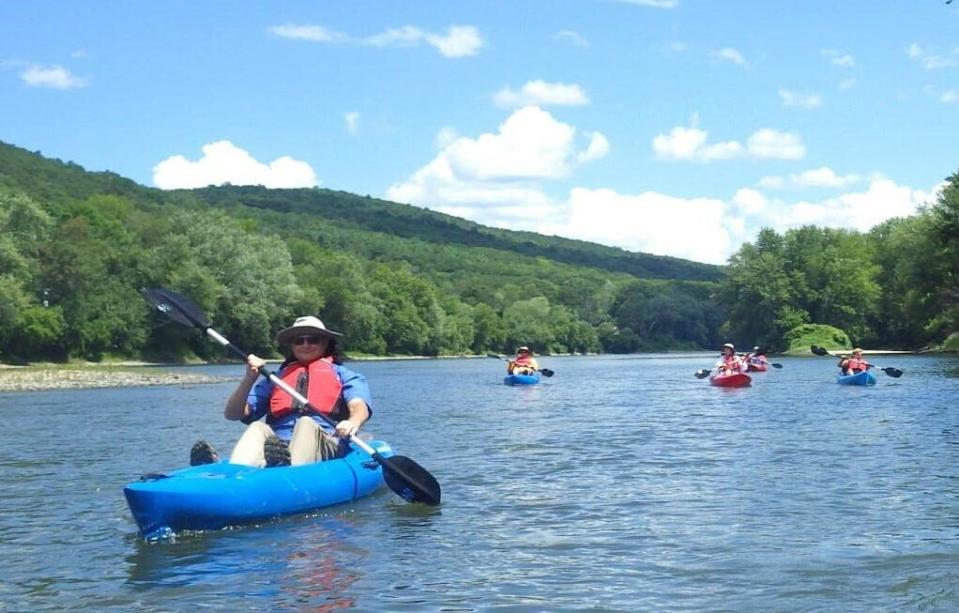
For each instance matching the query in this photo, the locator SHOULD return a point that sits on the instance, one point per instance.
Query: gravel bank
(30, 379)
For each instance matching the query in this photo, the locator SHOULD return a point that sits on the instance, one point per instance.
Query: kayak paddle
(889, 370)
(408, 479)
(702, 373)
(546, 371)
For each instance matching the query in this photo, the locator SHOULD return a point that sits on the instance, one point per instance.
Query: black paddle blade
(702, 373)
(409, 480)
(818, 350)
(775, 364)
(892, 372)
(178, 308)
(547, 372)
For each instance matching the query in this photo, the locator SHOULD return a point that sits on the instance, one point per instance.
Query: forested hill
(395, 278)
(54, 181)
(366, 213)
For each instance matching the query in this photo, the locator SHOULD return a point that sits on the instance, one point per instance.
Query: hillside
(397, 278)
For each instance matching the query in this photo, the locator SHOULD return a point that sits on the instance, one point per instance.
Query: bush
(800, 338)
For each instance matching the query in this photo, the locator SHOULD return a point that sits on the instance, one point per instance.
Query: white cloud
(806, 101)
(500, 179)
(949, 97)
(313, 33)
(769, 143)
(487, 177)
(846, 84)
(572, 37)
(690, 143)
(541, 93)
(697, 228)
(659, 4)
(224, 162)
(929, 58)
(352, 120)
(458, 41)
(817, 177)
(52, 77)
(598, 147)
(729, 55)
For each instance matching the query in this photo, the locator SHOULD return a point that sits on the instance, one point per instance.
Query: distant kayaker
(290, 434)
(855, 364)
(729, 362)
(756, 358)
(523, 363)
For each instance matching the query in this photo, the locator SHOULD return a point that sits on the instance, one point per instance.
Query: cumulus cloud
(485, 177)
(817, 177)
(949, 97)
(541, 93)
(224, 162)
(773, 144)
(572, 37)
(729, 55)
(52, 77)
(457, 41)
(696, 228)
(806, 101)
(683, 143)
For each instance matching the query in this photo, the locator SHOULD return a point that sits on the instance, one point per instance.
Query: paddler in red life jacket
(754, 357)
(291, 433)
(729, 362)
(855, 364)
(523, 363)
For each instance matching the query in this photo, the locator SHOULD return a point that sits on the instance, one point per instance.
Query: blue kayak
(521, 379)
(860, 378)
(213, 496)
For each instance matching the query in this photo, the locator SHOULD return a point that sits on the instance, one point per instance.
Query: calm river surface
(622, 483)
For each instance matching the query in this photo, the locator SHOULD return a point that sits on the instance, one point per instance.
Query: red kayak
(757, 367)
(736, 379)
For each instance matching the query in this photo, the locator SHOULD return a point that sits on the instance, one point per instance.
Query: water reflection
(305, 562)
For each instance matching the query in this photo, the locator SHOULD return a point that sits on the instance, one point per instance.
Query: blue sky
(676, 127)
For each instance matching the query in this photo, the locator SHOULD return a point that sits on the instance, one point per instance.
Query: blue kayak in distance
(214, 496)
(860, 378)
(522, 379)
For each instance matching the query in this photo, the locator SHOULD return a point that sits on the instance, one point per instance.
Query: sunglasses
(307, 340)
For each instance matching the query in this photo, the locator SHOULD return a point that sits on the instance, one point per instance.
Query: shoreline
(34, 379)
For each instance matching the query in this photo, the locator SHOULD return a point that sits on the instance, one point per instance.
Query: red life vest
(732, 362)
(856, 365)
(319, 381)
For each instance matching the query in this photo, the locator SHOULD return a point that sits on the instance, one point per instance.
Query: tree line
(894, 286)
(76, 246)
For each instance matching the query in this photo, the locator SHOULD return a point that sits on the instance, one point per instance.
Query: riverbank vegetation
(75, 246)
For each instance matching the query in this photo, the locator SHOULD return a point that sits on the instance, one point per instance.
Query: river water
(622, 483)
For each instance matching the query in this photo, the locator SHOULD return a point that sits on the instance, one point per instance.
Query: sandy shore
(33, 379)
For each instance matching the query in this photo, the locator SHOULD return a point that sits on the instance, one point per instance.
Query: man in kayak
(729, 362)
(855, 364)
(523, 363)
(290, 433)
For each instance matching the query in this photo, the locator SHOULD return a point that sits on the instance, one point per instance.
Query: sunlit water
(622, 483)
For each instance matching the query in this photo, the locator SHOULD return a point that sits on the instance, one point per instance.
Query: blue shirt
(354, 386)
